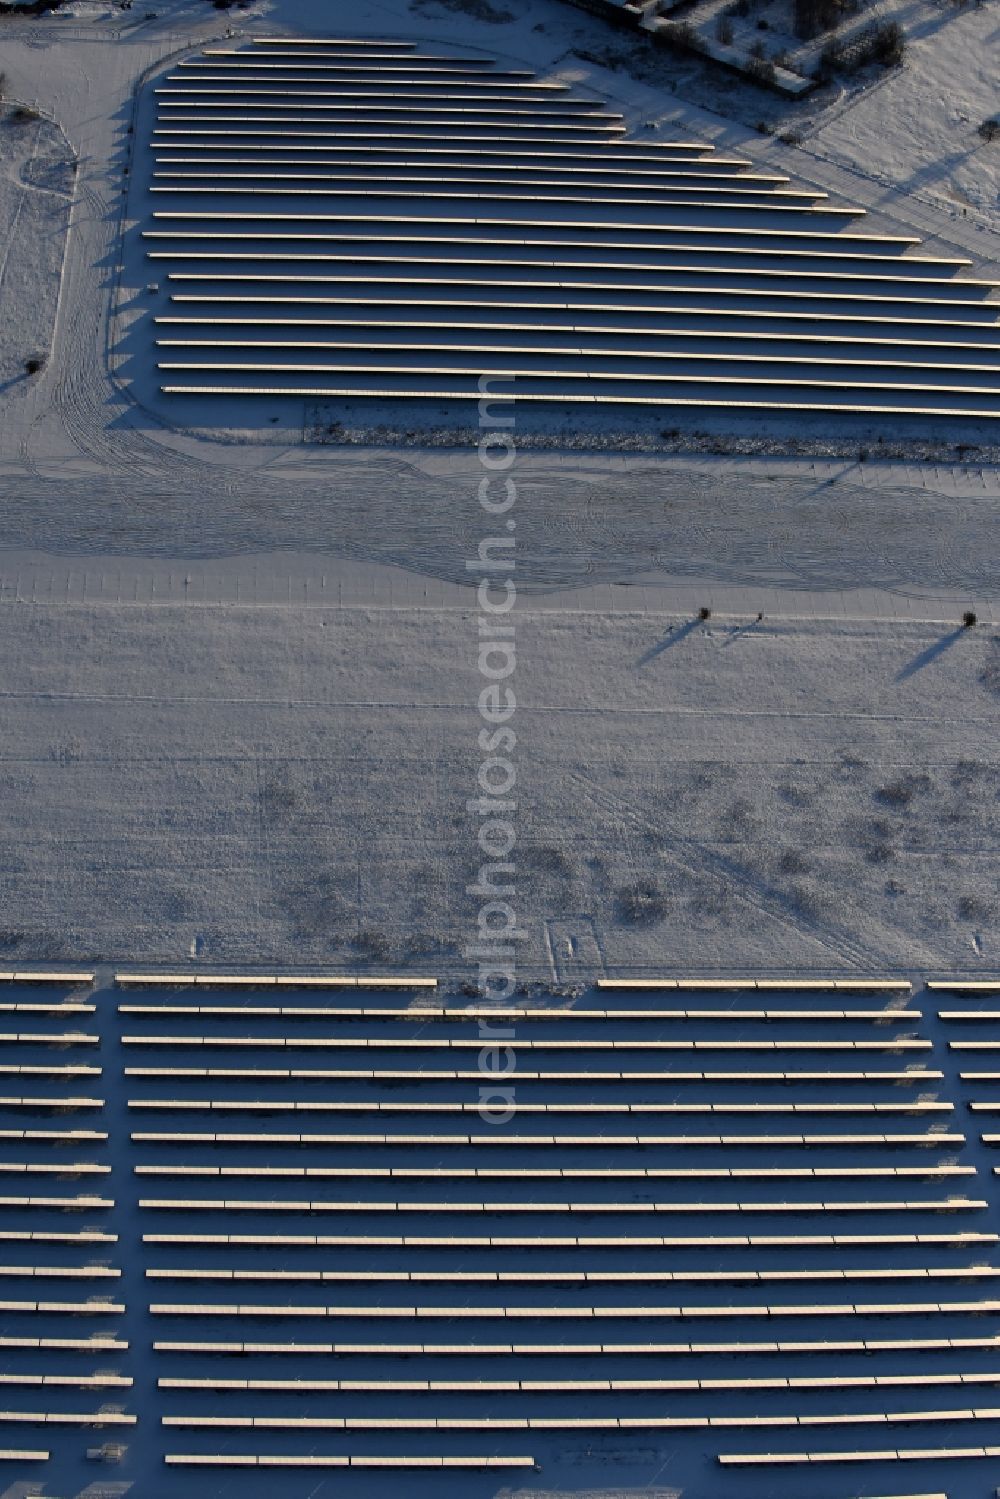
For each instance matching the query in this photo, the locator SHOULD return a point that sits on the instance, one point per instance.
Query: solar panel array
(721, 1233)
(344, 219)
(61, 1339)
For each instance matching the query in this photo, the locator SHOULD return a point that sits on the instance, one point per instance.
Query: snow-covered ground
(916, 133)
(36, 181)
(273, 781)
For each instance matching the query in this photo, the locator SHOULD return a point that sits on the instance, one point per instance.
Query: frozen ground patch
(932, 107)
(586, 519)
(36, 185)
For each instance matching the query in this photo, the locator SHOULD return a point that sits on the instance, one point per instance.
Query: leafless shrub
(679, 36)
(811, 17)
(876, 842)
(372, 944)
(900, 793)
(989, 677)
(805, 900)
(884, 44)
(641, 904)
(547, 859)
(428, 945)
(761, 71)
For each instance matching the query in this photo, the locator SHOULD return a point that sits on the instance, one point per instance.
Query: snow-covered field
(916, 133)
(36, 181)
(229, 781)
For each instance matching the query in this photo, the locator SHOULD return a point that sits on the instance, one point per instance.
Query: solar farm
(340, 219)
(499, 772)
(263, 1231)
